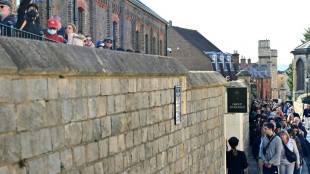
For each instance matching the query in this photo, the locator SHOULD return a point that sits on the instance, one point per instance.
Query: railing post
(9, 30)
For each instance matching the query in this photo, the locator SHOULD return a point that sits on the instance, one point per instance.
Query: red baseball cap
(52, 23)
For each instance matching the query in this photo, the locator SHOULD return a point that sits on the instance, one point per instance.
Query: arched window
(146, 44)
(114, 34)
(154, 45)
(300, 75)
(137, 41)
(80, 20)
(161, 47)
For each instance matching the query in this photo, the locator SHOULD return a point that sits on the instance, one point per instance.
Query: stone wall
(81, 110)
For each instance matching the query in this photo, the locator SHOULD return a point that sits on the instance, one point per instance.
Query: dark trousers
(271, 170)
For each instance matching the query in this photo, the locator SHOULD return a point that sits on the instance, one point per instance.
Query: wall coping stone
(31, 57)
(198, 79)
(239, 83)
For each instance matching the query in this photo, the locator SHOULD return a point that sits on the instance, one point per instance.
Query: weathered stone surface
(75, 88)
(58, 137)
(104, 148)
(66, 159)
(45, 140)
(87, 127)
(63, 88)
(88, 170)
(101, 106)
(5, 90)
(119, 162)
(12, 148)
(113, 145)
(7, 118)
(73, 133)
(110, 108)
(38, 165)
(121, 142)
(52, 88)
(79, 155)
(29, 116)
(4, 170)
(18, 90)
(115, 120)
(92, 152)
(92, 107)
(66, 111)
(98, 168)
(53, 163)
(30, 144)
(52, 116)
(36, 88)
(129, 139)
(92, 87)
(97, 129)
(119, 103)
(106, 126)
(80, 109)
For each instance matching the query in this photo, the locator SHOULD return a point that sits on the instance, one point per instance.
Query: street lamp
(307, 81)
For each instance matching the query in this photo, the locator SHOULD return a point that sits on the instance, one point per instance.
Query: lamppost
(307, 81)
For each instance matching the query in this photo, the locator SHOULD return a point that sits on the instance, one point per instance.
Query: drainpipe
(48, 9)
(166, 40)
(75, 12)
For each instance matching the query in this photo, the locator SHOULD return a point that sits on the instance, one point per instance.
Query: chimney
(249, 64)
(170, 23)
(235, 59)
(243, 63)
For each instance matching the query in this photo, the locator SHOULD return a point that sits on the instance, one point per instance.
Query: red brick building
(132, 25)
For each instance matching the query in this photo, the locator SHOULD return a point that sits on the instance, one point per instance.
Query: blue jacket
(9, 18)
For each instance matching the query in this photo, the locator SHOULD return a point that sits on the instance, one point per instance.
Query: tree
(306, 36)
(289, 73)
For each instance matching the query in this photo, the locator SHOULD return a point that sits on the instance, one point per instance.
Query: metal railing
(10, 31)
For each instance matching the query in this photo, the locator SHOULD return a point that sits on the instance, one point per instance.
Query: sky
(240, 24)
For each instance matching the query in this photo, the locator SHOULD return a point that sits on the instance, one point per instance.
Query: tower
(263, 52)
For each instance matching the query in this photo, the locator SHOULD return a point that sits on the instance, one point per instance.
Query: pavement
(305, 167)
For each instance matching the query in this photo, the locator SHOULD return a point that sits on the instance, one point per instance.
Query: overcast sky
(239, 24)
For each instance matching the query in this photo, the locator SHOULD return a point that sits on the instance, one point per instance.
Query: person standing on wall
(270, 150)
(236, 160)
(306, 116)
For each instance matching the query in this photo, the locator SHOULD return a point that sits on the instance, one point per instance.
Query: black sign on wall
(177, 105)
(237, 100)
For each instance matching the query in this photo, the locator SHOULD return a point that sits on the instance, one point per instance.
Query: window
(146, 44)
(137, 41)
(114, 34)
(161, 47)
(300, 74)
(154, 46)
(80, 20)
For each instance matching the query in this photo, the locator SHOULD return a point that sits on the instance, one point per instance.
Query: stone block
(138, 100)
(52, 116)
(115, 120)
(120, 103)
(104, 148)
(36, 88)
(53, 163)
(144, 134)
(87, 127)
(145, 100)
(101, 106)
(18, 91)
(129, 102)
(106, 86)
(150, 133)
(5, 90)
(58, 137)
(135, 120)
(10, 152)
(7, 119)
(148, 150)
(109, 165)
(132, 86)
(142, 152)
(80, 109)
(38, 165)
(110, 109)
(125, 122)
(153, 164)
(137, 137)
(63, 88)
(30, 144)
(88, 170)
(113, 145)
(75, 88)
(79, 155)
(119, 162)
(66, 159)
(155, 130)
(66, 111)
(4, 170)
(73, 133)
(92, 87)
(155, 85)
(52, 88)
(98, 168)
(143, 117)
(121, 142)
(116, 86)
(138, 85)
(135, 157)
(124, 86)
(92, 107)
(106, 126)
(92, 152)
(97, 134)
(146, 167)
(129, 139)
(46, 140)
(29, 116)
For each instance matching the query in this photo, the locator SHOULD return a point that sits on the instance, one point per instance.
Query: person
(100, 44)
(306, 116)
(293, 136)
(28, 18)
(5, 16)
(285, 126)
(287, 167)
(270, 150)
(88, 42)
(51, 32)
(60, 28)
(107, 43)
(293, 112)
(256, 146)
(236, 160)
(300, 126)
(72, 37)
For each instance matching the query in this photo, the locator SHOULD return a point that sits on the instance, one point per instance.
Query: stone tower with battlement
(268, 57)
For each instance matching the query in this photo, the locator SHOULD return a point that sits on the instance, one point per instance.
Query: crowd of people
(28, 21)
(277, 138)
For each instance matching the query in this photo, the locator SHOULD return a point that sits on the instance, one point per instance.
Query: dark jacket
(9, 18)
(61, 31)
(236, 164)
(255, 147)
(31, 27)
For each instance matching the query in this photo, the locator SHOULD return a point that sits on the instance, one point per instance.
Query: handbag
(291, 156)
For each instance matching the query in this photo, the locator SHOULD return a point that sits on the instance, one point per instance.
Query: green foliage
(303, 99)
(306, 36)
(289, 74)
(306, 100)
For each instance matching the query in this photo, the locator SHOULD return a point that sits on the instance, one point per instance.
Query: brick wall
(111, 113)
